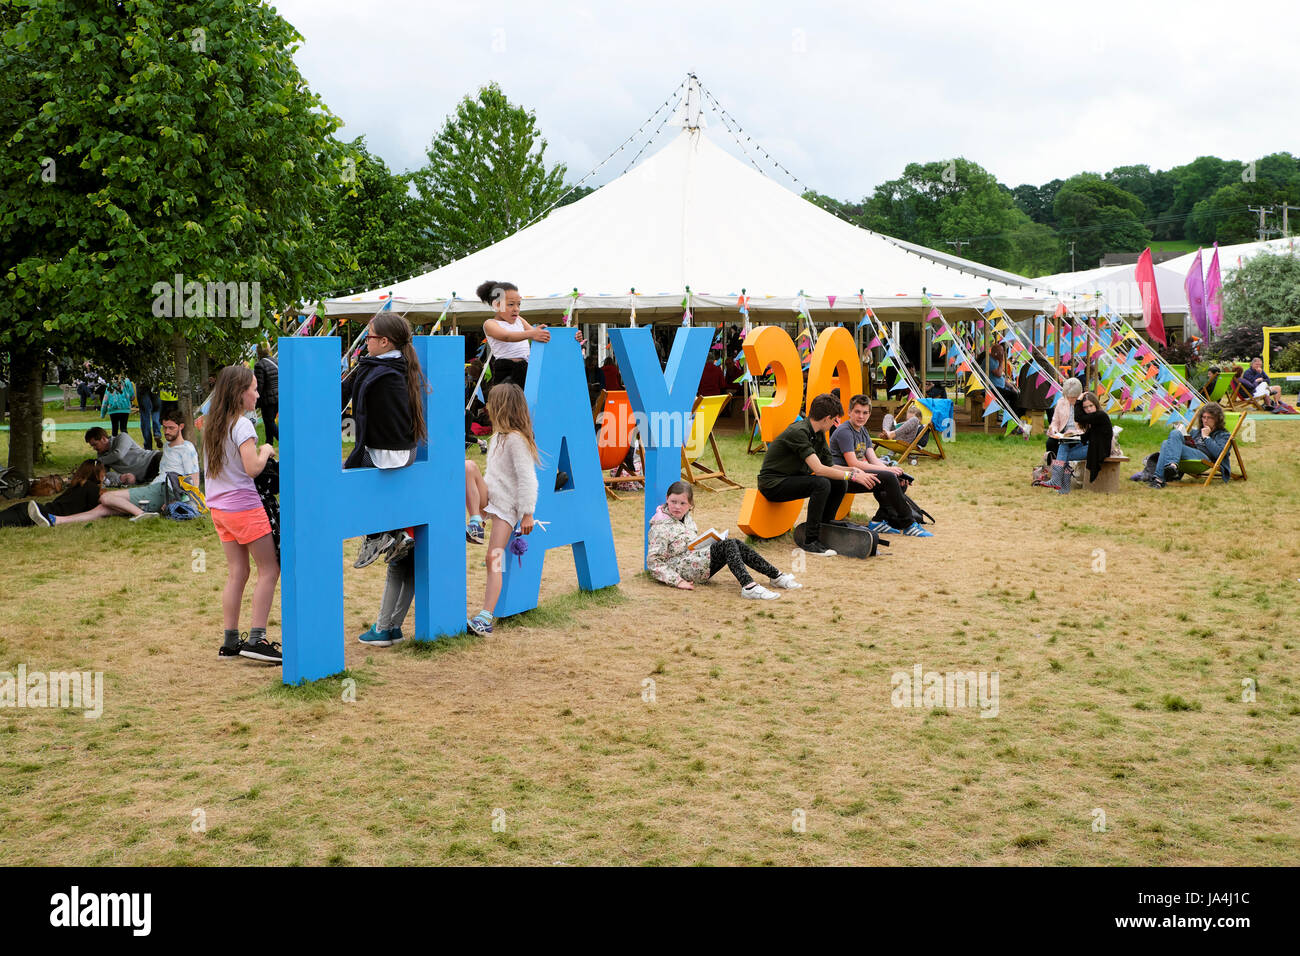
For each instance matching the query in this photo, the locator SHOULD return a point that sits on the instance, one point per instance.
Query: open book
(707, 538)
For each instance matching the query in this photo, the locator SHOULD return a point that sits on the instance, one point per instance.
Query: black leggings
(735, 555)
(119, 420)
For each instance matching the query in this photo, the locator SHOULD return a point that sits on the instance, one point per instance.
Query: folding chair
(1239, 396)
(903, 449)
(1221, 383)
(615, 428)
(1198, 466)
(703, 417)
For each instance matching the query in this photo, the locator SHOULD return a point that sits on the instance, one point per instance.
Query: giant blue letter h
(321, 504)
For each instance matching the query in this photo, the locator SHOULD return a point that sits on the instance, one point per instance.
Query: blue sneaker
(916, 531)
(378, 638)
(479, 624)
(880, 527)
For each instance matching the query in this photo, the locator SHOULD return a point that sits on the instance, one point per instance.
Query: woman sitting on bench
(1065, 436)
(1099, 433)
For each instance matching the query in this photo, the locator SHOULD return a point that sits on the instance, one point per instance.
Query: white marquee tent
(691, 215)
(1118, 286)
(1230, 257)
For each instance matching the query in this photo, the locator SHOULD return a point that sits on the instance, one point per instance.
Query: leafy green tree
(574, 194)
(1225, 215)
(1197, 180)
(1037, 201)
(170, 138)
(955, 201)
(1155, 190)
(849, 211)
(1264, 290)
(1098, 217)
(1037, 249)
(376, 220)
(486, 177)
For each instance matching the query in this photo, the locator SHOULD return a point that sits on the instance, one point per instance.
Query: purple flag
(1194, 285)
(1214, 291)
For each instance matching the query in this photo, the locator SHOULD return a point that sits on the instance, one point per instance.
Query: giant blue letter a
(577, 514)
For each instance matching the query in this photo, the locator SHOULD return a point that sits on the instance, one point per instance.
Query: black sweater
(1101, 434)
(381, 407)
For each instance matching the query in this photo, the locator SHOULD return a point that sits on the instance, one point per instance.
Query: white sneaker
(786, 581)
(144, 515)
(37, 515)
(757, 592)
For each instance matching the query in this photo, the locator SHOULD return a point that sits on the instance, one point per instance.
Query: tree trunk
(36, 408)
(21, 361)
(203, 369)
(181, 356)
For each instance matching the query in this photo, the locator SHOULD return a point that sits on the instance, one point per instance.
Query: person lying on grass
(80, 501)
(130, 463)
(851, 447)
(671, 560)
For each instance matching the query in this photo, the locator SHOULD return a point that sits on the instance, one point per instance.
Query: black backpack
(919, 514)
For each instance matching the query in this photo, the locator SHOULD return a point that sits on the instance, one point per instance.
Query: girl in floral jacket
(672, 529)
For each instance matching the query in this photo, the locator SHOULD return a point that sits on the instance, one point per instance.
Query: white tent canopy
(1118, 286)
(691, 215)
(1230, 257)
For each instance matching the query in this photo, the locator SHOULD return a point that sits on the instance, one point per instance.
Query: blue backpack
(180, 511)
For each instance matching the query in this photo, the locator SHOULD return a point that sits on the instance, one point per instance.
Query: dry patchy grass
(1120, 690)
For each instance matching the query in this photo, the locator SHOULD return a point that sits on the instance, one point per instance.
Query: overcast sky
(844, 98)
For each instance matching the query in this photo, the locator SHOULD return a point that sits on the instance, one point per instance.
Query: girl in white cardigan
(511, 487)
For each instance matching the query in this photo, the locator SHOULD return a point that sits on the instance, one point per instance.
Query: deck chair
(1221, 383)
(1197, 467)
(902, 449)
(1239, 396)
(703, 417)
(613, 413)
(756, 443)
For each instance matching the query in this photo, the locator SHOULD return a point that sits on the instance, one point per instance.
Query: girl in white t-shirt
(234, 459)
(508, 334)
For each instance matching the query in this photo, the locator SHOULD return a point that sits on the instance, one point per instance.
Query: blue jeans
(1172, 451)
(150, 421)
(1069, 451)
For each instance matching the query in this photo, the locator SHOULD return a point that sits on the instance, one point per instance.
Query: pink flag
(1194, 285)
(1146, 280)
(1214, 291)
(830, 301)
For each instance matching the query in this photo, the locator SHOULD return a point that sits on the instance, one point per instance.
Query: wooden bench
(1107, 482)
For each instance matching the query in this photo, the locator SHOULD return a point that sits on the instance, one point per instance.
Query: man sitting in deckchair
(1258, 385)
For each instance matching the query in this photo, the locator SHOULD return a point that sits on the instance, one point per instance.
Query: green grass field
(1146, 645)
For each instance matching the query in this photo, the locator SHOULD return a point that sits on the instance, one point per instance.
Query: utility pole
(1286, 227)
(1262, 210)
(958, 243)
(1071, 256)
